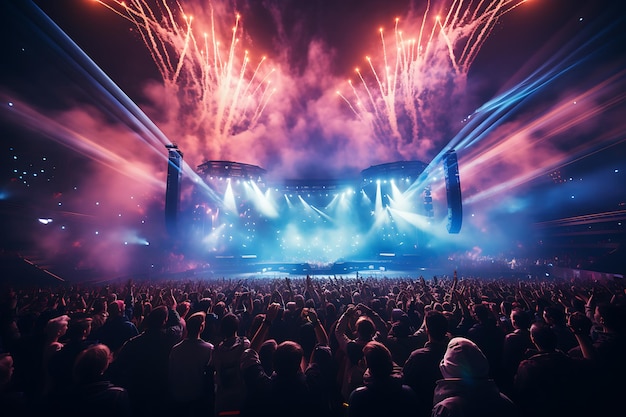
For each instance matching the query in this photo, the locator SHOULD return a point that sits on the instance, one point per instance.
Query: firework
(401, 99)
(216, 91)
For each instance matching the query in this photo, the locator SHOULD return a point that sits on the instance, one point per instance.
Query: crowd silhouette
(323, 346)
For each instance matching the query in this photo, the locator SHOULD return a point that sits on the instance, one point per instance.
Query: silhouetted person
(289, 394)
(230, 389)
(93, 394)
(555, 318)
(142, 366)
(366, 324)
(383, 393)
(12, 401)
(606, 354)
(421, 371)
(61, 362)
(321, 378)
(117, 329)
(285, 392)
(191, 387)
(548, 383)
(516, 346)
(488, 337)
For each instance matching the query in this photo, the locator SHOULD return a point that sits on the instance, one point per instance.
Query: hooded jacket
(466, 389)
(469, 398)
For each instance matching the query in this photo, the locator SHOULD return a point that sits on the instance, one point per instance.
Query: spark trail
(216, 92)
(415, 87)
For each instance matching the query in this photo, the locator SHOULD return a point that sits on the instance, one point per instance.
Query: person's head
(91, 363)
(183, 308)
(287, 358)
(6, 370)
(79, 326)
(266, 355)
(436, 325)
(481, 312)
(365, 328)
(464, 360)
(299, 299)
(99, 306)
(543, 337)
(579, 323)
(57, 327)
(401, 328)
(521, 319)
(292, 307)
(611, 317)
(396, 315)
(204, 304)
(323, 357)
(229, 325)
(331, 310)
(554, 316)
(220, 308)
(378, 360)
(195, 324)
(116, 308)
(157, 318)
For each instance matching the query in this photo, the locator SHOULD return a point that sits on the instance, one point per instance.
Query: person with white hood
(466, 389)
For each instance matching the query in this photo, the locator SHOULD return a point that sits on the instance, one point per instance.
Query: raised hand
(272, 312)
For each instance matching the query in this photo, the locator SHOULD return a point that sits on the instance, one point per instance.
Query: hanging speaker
(453, 191)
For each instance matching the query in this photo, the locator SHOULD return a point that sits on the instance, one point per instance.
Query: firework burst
(217, 92)
(401, 97)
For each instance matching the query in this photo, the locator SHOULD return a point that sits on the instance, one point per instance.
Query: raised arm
(320, 332)
(261, 333)
(342, 326)
(312, 294)
(581, 327)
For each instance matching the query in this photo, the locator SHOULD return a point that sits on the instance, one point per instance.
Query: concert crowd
(315, 346)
